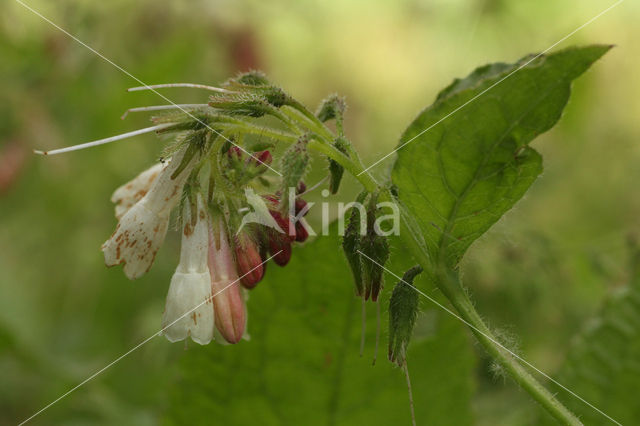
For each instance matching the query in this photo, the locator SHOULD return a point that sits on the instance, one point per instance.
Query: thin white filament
(161, 107)
(168, 85)
(106, 140)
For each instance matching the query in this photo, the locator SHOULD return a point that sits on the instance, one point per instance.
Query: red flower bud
(300, 205)
(301, 187)
(235, 153)
(285, 224)
(260, 158)
(248, 261)
(301, 233)
(280, 249)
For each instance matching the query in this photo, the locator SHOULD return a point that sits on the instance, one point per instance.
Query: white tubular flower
(189, 307)
(131, 192)
(142, 229)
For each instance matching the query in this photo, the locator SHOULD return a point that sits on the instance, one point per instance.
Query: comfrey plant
(213, 175)
(235, 175)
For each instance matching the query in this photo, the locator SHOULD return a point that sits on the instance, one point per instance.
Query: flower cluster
(218, 264)
(233, 215)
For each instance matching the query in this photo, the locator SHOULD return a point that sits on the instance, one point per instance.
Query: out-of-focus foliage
(603, 365)
(541, 272)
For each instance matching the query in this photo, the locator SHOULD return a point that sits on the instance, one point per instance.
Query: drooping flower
(228, 300)
(189, 307)
(131, 192)
(142, 229)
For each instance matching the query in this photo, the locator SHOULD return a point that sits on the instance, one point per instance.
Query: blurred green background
(539, 274)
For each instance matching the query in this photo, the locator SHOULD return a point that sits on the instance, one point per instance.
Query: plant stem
(316, 124)
(313, 123)
(459, 299)
(260, 131)
(454, 291)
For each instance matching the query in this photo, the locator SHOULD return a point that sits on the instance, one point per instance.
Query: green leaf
(603, 365)
(460, 176)
(302, 365)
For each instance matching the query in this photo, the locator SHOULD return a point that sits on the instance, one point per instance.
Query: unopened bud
(248, 261)
(280, 249)
(260, 159)
(300, 205)
(235, 153)
(252, 78)
(403, 311)
(335, 169)
(275, 96)
(376, 248)
(285, 225)
(228, 302)
(293, 166)
(351, 245)
(301, 232)
(331, 107)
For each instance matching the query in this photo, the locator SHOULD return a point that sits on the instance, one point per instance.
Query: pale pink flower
(228, 298)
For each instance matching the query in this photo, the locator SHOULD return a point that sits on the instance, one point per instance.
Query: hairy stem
(311, 119)
(459, 299)
(454, 291)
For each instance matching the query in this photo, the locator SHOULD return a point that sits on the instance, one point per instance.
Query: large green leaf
(302, 365)
(603, 365)
(460, 176)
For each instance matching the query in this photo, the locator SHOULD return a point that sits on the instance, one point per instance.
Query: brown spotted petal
(142, 228)
(189, 308)
(131, 192)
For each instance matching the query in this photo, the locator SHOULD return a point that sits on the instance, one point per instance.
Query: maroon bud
(248, 261)
(301, 187)
(285, 225)
(235, 152)
(260, 158)
(300, 205)
(301, 233)
(280, 249)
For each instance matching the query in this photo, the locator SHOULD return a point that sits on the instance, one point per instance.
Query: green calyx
(403, 312)
(293, 166)
(351, 244)
(335, 169)
(332, 107)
